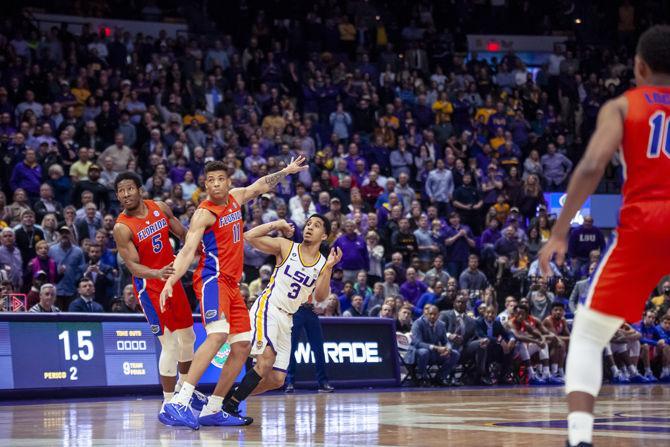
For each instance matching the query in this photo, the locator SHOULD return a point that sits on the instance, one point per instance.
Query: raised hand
(333, 257)
(296, 165)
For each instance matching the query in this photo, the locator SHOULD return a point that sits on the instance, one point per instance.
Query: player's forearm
(181, 264)
(260, 231)
(322, 288)
(583, 183)
(267, 183)
(141, 271)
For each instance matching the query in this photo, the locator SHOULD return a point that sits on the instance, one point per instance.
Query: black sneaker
(233, 410)
(581, 444)
(290, 389)
(326, 388)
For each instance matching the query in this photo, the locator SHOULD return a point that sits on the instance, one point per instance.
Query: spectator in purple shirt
(412, 289)
(583, 240)
(354, 252)
(28, 175)
(488, 239)
(458, 240)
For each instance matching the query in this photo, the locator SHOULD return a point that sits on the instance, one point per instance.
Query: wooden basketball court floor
(625, 416)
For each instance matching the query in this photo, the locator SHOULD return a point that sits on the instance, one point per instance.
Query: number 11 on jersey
(236, 233)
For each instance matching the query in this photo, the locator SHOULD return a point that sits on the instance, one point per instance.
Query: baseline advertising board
(358, 352)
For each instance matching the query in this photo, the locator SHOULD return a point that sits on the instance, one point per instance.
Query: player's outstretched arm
(176, 227)
(268, 182)
(585, 178)
(258, 238)
(201, 220)
(322, 288)
(124, 242)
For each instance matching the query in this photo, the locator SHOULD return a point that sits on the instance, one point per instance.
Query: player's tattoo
(273, 179)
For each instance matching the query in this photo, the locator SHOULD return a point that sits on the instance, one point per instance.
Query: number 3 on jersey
(658, 135)
(157, 243)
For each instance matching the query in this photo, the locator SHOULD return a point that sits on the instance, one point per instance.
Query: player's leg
(665, 359)
(315, 338)
(274, 374)
(296, 332)
(240, 347)
(611, 299)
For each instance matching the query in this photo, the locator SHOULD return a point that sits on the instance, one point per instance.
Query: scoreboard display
(70, 354)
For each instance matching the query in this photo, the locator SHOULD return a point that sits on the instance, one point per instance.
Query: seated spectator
(390, 286)
(412, 289)
(505, 315)
(385, 311)
(500, 346)
(33, 295)
(472, 279)
(660, 303)
(663, 330)
(361, 286)
(128, 304)
(648, 343)
(85, 302)
(47, 299)
(356, 309)
(403, 323)
(398, 266)
(557, 325)
(430, 346)
(462, 333)
(346, 295)
(376, 299)
(430, 296)
(437, 273)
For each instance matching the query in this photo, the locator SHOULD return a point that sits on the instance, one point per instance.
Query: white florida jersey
(292, 281)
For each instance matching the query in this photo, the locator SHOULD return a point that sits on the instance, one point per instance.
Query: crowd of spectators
(431, 164)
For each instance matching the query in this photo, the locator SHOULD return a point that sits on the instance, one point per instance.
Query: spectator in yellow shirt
(79, 169)
(443, 109)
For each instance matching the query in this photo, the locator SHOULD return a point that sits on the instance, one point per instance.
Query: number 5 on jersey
(157, 243)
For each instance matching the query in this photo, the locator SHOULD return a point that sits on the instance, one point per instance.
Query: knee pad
(591, 332)
(167, 362)
(186, 339)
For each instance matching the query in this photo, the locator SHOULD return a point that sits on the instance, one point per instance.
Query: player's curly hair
(128, 175)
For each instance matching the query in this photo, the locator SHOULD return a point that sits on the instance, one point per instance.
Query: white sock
(167, 397)
(580, 427)
(666, 371)
(531, 371)
(615, 371)
(647, 372)
(554, 368)
(545, 371)
(180, 382)
(561, 372)
(184, 395)
(213, 405)
(633, 370)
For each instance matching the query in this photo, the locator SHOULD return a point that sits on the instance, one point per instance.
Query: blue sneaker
(536, 381)
(665, 379)
(555, 380)
(638, 378)
(182, 415)
(221, 419)
(651, 378)
(198, 401)
(620, 380)
(166, 419)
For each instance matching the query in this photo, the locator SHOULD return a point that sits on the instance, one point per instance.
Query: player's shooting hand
(165, 272)
(286, 228)
(334, 257)
(556, 245)
(296, 165)
(166, 293)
